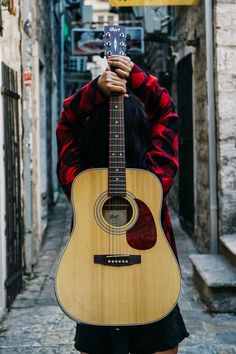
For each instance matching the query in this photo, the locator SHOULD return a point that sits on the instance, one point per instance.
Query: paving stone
(215, 270)
(215, 278)
(228, 247)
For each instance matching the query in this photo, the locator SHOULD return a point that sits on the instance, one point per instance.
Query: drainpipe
(29, 241)
(211, 126)
(62, 20)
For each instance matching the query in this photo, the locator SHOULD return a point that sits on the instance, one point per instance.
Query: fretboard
(117, 176)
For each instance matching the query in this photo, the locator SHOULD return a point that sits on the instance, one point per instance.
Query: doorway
(186, 175)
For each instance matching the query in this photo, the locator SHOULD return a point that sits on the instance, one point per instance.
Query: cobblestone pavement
(37, 325)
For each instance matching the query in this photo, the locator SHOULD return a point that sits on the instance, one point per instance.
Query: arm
(75, 109)
(147, 89)
(162, 155)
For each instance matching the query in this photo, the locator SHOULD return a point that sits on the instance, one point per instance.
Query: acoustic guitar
(117, 267)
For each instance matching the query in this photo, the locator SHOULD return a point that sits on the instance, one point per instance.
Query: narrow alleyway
(37, 325)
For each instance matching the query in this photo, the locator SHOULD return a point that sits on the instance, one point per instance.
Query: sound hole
(117, 211)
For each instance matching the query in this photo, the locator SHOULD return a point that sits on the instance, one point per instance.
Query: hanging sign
(27, 78)
(122, 3)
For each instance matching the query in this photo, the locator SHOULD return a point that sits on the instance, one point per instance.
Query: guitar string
(122, 158)
(122, 148)
(116, 159)
(120, 113)
(109, 178)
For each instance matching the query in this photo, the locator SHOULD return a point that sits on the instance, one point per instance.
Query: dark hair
(93, 141)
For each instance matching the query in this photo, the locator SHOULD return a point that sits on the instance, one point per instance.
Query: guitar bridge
(117, 260)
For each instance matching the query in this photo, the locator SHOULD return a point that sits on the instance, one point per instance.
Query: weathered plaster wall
(225, 51)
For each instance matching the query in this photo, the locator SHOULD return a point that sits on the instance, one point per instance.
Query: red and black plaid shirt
(161, 157)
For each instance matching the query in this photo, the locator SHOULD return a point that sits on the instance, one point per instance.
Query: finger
(111, 76)
(112, 84)
(117, 88)
(122, 74)
(120, 65)
(120, 58)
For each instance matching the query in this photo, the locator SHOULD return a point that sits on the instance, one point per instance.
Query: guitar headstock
(114, 40)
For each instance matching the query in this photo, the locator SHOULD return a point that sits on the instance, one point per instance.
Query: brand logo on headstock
(114, 29)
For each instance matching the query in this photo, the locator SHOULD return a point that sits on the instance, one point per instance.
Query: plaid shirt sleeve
(75, 109)
(162, 154)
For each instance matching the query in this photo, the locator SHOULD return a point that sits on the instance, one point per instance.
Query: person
(151, 131)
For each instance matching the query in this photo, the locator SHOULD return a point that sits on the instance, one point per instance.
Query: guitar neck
(117, 176)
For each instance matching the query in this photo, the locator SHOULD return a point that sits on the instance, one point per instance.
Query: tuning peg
(102, 54)
(128, 46)
(128, 37)
(101, 35)
(102, 45)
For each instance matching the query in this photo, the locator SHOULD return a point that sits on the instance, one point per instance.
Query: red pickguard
(143, 235)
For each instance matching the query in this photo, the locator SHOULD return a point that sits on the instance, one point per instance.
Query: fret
(118, 190)
(117, 138)
(118, 162)
(120, 181)
(117, 155)
(117, 174)
(116, 110)
(116, 150)
(113, 172)
(117, 179)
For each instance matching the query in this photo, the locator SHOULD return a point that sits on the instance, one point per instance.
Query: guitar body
(117, 273)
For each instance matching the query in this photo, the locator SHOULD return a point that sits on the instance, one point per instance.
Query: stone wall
(46, 33)
(190, 25)
(225, 38)
(10, 54)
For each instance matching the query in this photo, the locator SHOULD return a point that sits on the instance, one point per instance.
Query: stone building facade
(191, 40)
(10, 55)
(29, 110)
(190, 28)
(186, 51)
(225, 68)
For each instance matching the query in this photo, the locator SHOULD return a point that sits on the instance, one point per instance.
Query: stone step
(228, 247)
(215, 279)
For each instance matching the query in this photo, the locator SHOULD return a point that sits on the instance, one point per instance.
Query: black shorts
(145, 339)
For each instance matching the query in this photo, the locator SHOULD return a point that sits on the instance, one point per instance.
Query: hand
(109, 82)
(123, 65)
